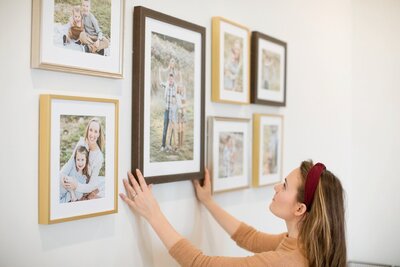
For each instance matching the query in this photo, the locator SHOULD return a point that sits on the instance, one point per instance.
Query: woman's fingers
(129, 190)
(196, 183)
(134, 183)
(127, 200)
(142, 182)
(206, 177)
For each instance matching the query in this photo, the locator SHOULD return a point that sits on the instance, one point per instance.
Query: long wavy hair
(322, 229)
(100, 139)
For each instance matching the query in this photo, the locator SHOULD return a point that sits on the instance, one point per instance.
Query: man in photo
(169, 98)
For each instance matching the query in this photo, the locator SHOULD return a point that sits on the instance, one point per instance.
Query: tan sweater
(271, 250)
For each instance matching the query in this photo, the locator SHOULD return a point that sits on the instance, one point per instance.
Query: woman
(310, 200)
(94, 141)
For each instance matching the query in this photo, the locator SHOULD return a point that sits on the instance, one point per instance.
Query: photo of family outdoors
(83, 25)
(82, 158)
(172, 83)
(230, 154)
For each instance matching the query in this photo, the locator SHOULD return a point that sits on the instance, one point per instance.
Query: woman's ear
(301, 209)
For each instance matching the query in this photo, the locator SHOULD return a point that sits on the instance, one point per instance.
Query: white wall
(318, 124)
(374, 200)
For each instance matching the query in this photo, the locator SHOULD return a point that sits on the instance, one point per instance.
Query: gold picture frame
(267, 149)
(66, 139)
(230, 70)
(228, 153)
(54, 47)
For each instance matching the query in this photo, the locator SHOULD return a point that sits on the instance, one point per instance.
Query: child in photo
(92, 37)
(180, 103)
(75, 26)
(173, 124)
(78, 171)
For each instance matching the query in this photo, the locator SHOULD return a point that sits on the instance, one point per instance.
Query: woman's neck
(293, 229)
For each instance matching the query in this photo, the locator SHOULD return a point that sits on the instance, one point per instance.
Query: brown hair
(84, 151)
(322, 229)
(100, 139)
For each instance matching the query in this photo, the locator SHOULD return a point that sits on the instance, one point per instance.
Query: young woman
(310, 200)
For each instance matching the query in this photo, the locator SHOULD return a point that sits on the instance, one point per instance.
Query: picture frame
(78, 158)
(61, 41)
(269, 70)
(168, 97)
(228, 153)
(267, 149)
(230, 62)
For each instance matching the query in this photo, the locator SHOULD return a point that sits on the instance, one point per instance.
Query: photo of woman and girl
(79, 176)
(82, 31)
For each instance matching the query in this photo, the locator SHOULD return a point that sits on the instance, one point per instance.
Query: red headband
(311, 183)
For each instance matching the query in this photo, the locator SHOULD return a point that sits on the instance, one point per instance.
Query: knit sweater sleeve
(252, 240)
(189, 256)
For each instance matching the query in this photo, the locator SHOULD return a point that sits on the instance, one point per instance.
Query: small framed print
(230, 62)
(267, 149)
(78, 36)
(228, 153)
(268, 76)
(168, 97)
(78, 158)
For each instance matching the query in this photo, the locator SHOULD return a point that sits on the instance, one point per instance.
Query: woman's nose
(278, 187)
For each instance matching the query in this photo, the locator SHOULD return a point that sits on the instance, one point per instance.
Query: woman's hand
(139, 198)
(203, 193)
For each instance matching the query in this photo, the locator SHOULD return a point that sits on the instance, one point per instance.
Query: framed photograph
(79, 36)
(228, 153)
(267, 149)
(230, 62)
(268, 76)
(78, 158)
(168, 97)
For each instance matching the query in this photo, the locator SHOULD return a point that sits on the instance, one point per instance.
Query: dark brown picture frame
(138, 91)
(256, 69)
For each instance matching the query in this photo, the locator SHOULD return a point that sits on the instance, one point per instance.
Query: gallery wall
(318, 124)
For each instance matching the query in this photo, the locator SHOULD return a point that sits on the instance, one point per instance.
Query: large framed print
(78, 36)
(78, 158)
(230, 62)
(267, 149)
(268, 64)
(228, 153)
(168, 97)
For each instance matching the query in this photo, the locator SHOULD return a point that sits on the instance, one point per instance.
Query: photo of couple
(172, 83)
(83, 25)
(82, 143)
